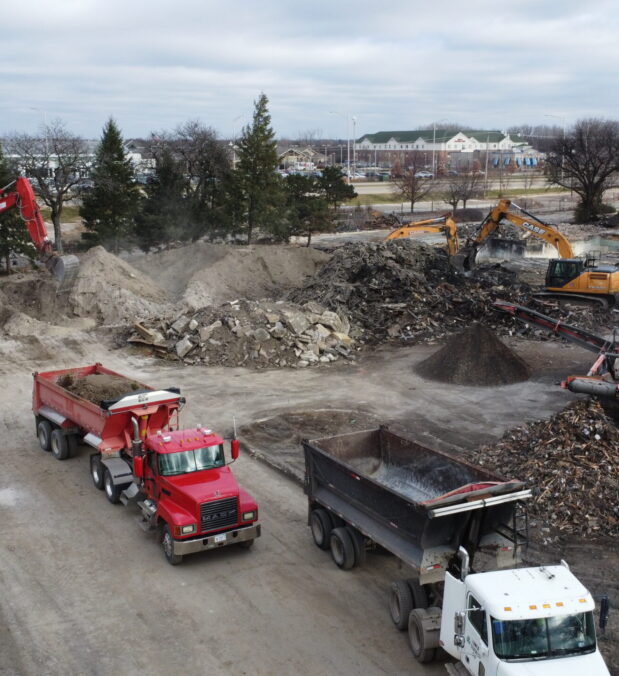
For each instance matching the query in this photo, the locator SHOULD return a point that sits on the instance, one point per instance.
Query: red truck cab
(184, 473)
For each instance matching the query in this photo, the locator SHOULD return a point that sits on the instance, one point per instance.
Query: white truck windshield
(542, 638)
(195, 460)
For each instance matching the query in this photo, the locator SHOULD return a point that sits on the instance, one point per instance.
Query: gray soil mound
(475, 357)
(98, 386)
(210, 274)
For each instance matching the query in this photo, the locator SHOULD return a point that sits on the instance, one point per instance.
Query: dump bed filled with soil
(98, 387)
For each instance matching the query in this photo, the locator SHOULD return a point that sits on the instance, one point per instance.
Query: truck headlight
(249, 516)
(187, 530)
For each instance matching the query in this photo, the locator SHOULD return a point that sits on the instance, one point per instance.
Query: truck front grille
(218, 514)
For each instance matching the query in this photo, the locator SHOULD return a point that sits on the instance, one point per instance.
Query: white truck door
(475, 651)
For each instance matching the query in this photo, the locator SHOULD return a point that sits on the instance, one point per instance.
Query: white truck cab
(524, 621)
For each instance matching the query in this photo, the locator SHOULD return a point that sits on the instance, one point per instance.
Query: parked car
(452, 172)
(424, 174)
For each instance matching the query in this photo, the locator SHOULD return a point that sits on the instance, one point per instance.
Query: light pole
(562, 118)
(354, 146)
(434, 147)
(44, 116)
(347, 116)
(232, 143)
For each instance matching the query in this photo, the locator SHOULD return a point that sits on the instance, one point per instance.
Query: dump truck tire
(358, 542)
(321, 525)
(423, 638)
(167, 542)
(112, 491)
(59, 445)
(44, 433)
(420, 597)
(96, 471)
(342, 548)
(400, 603)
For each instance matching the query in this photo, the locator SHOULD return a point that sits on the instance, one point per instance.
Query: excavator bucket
(464, 260)
(64, 269)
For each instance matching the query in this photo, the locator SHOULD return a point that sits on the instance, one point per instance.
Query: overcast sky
(396, 64)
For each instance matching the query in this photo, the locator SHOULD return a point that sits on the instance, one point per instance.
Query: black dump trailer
(379, 488)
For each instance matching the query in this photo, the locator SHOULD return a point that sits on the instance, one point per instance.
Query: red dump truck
(178, 478)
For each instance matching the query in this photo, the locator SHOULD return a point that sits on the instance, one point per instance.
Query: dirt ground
(85, 591)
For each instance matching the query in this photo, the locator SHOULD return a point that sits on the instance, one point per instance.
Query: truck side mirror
(234, 448)
(138, 466)
(459, 619)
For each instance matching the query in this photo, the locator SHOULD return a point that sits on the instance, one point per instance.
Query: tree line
(195, 188)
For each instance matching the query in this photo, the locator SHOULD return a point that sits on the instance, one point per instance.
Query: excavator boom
(443, 224)
(20, 194)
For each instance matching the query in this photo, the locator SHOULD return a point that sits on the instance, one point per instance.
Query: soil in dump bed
(475, 357)
(98, 386)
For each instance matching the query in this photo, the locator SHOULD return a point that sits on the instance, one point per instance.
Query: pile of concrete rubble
(572, 462)
(407, 291)
(256, 334)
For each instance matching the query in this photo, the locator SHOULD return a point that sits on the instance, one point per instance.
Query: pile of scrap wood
(572, 462)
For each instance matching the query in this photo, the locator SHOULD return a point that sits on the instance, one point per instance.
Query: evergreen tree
(165, 211)
(257, 180)
(308, 211)
(335, 190)
(14, 237)
(109, 210)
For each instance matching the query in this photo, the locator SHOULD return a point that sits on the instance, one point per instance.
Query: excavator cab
(561, 271)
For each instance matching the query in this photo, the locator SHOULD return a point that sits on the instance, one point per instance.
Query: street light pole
(433, 146)
(562, 118)
(347, 116)
(354, 145)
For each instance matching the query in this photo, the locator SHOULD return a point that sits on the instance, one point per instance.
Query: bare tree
(56, 161)
(462, 188)
(586, 160)
(412, 187)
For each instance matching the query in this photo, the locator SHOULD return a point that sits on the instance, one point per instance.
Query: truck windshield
(542, 638)
(195, 460)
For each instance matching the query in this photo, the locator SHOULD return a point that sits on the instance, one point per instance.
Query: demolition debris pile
(573, 460)
(474, 357)
(407, 291)
(257, 334)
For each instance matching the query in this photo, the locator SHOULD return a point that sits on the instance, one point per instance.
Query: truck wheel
(112, 491)
(342, 548)
(320, 523)
(59, 445)
(358, 542)
(167, 542)
(44, 432)
(423, 640)
(96, 471)
(400, 603)
(420, 597)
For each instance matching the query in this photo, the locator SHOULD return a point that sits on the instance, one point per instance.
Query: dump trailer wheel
(321, 525)
(59, 445)
(400, 603)
(358, 542)
(423, 633)
(44, 433)
(96, 470)
(342, 548)
(112, 491)
(167, 542)
(420, 597)
(72, 444)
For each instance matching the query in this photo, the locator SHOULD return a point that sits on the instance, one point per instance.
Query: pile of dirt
(572, 462)
(112, 291)
(475, 357)
(98, 386)
(256, 334)
(206, 274)
(407, 291)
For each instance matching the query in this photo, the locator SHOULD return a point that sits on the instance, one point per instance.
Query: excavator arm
(547, 233)
(19, 194)
(444, 224)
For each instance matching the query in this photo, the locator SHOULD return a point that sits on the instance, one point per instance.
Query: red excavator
(19, 193)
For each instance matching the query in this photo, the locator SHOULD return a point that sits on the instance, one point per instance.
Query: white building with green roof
(440, 140)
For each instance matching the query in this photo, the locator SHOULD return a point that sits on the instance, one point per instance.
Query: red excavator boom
(20, 194)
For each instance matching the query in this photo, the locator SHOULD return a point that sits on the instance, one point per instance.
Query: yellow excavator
(567, 276)
(578, 278)
(443, 224)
